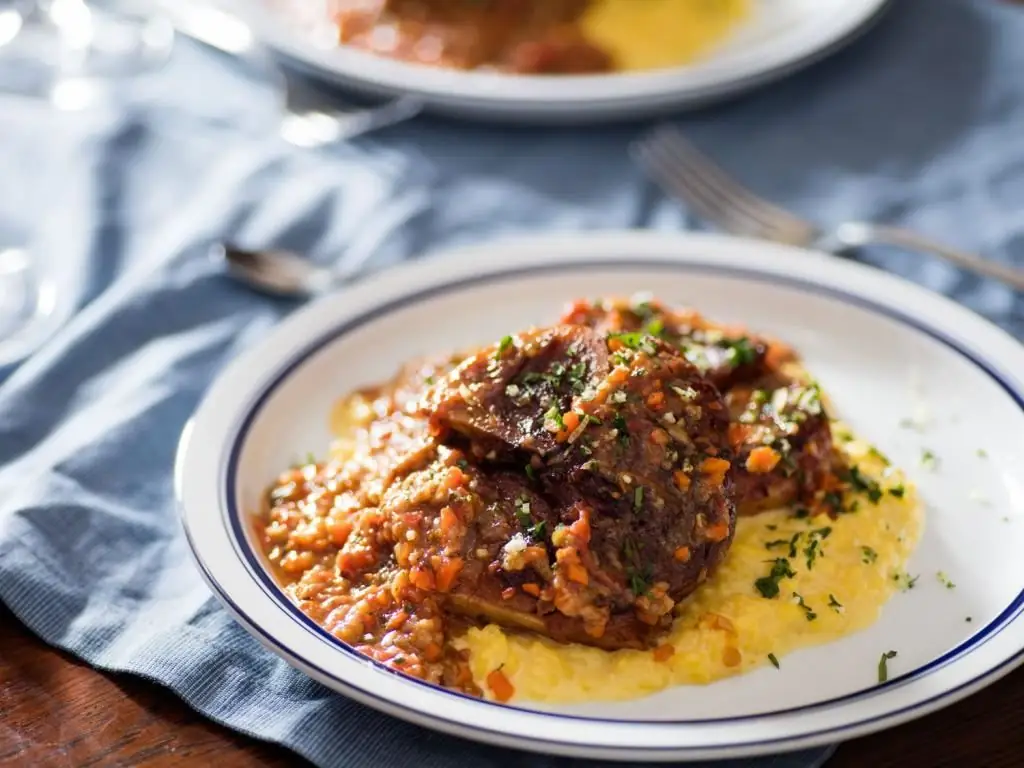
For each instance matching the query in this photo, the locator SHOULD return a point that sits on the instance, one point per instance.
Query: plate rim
(668, 248)
(585, 96)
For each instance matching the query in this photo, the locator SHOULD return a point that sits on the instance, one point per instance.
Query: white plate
(880, 347)
(781, 37)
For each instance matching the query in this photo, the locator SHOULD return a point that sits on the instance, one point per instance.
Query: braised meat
(510, 35)
(622, 445)
(780, 432)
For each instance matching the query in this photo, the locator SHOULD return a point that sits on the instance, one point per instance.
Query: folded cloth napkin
(921, 123)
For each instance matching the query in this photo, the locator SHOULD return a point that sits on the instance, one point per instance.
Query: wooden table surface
(58, 713)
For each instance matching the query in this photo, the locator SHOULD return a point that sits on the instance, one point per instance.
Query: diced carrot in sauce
(571, 420)
(656, 399)
(422, 578)
(432, 652)
(455, 478)
(718, 532)
(618, 375)
(762, 460)
(446, 574)
(508, 593)
(397, 620)
(531, 589)
(449, 520)
(682, 554)
(581, 527)
(614, 344)
(738, 434)
(659, 437)
(714, 470)
(500, 686)
(682, 480)
(578, 573)
(663, 652)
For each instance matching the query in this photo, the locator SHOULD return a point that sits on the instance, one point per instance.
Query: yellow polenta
(727, 627)
(651, 34)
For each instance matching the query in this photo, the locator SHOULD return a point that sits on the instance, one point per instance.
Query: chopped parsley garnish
(630, 550)
(904, 580)
(791, 543)
(864, 484)
(619, 422)
(801, 512)
(898, 491)
(531, 472)
(808, 613)
(640, 579)
(768, 585)
(740, 352)
(537, 531)
(868, 555)
(982, 453)
(944, 580)
(462, 464)
(773, 660)
(928, 459)
(872, 451)
(834, 604)
(968, 619)
(833, 501)
(813, 550)
(554, 416)
(771, 527)
(638, 498)
(634, 340)
(429, 380)
(655, 328)
(310, 458)
(523, 513)
(883, 666)
(505, 343)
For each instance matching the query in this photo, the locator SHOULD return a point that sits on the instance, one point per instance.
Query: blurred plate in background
(780, 37)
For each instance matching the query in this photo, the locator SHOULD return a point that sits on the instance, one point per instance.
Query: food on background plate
(554, 516)
(538, 36)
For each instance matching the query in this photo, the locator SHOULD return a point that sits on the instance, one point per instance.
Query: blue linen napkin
(920, 123)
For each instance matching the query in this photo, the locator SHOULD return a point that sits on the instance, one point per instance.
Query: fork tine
(659, 165)
(731, 200)
(707, 169)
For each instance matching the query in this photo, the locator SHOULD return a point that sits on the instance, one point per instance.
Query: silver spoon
(281, 273)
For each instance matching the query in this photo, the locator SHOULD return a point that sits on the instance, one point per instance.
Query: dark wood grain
(58, 713)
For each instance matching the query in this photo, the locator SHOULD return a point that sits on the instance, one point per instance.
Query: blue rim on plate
(236, 522)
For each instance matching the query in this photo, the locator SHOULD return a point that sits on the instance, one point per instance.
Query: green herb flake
(877, 454)
(883, 665)
(531, 472)
(768, 586)
(862, 484)
(740, 352)
(982, 453)
(640, 579)
(808, 613)
(968, 619)
(868, 555)
(899, 491)
(619, 422)
(310, 458)
(834, 604)
(929, 460)
(522, 509)
(505, 343)
(638, 498)
(944, 580)
(904, 580)
(773, 660)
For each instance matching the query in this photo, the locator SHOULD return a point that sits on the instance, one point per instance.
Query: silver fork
(685, 173)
